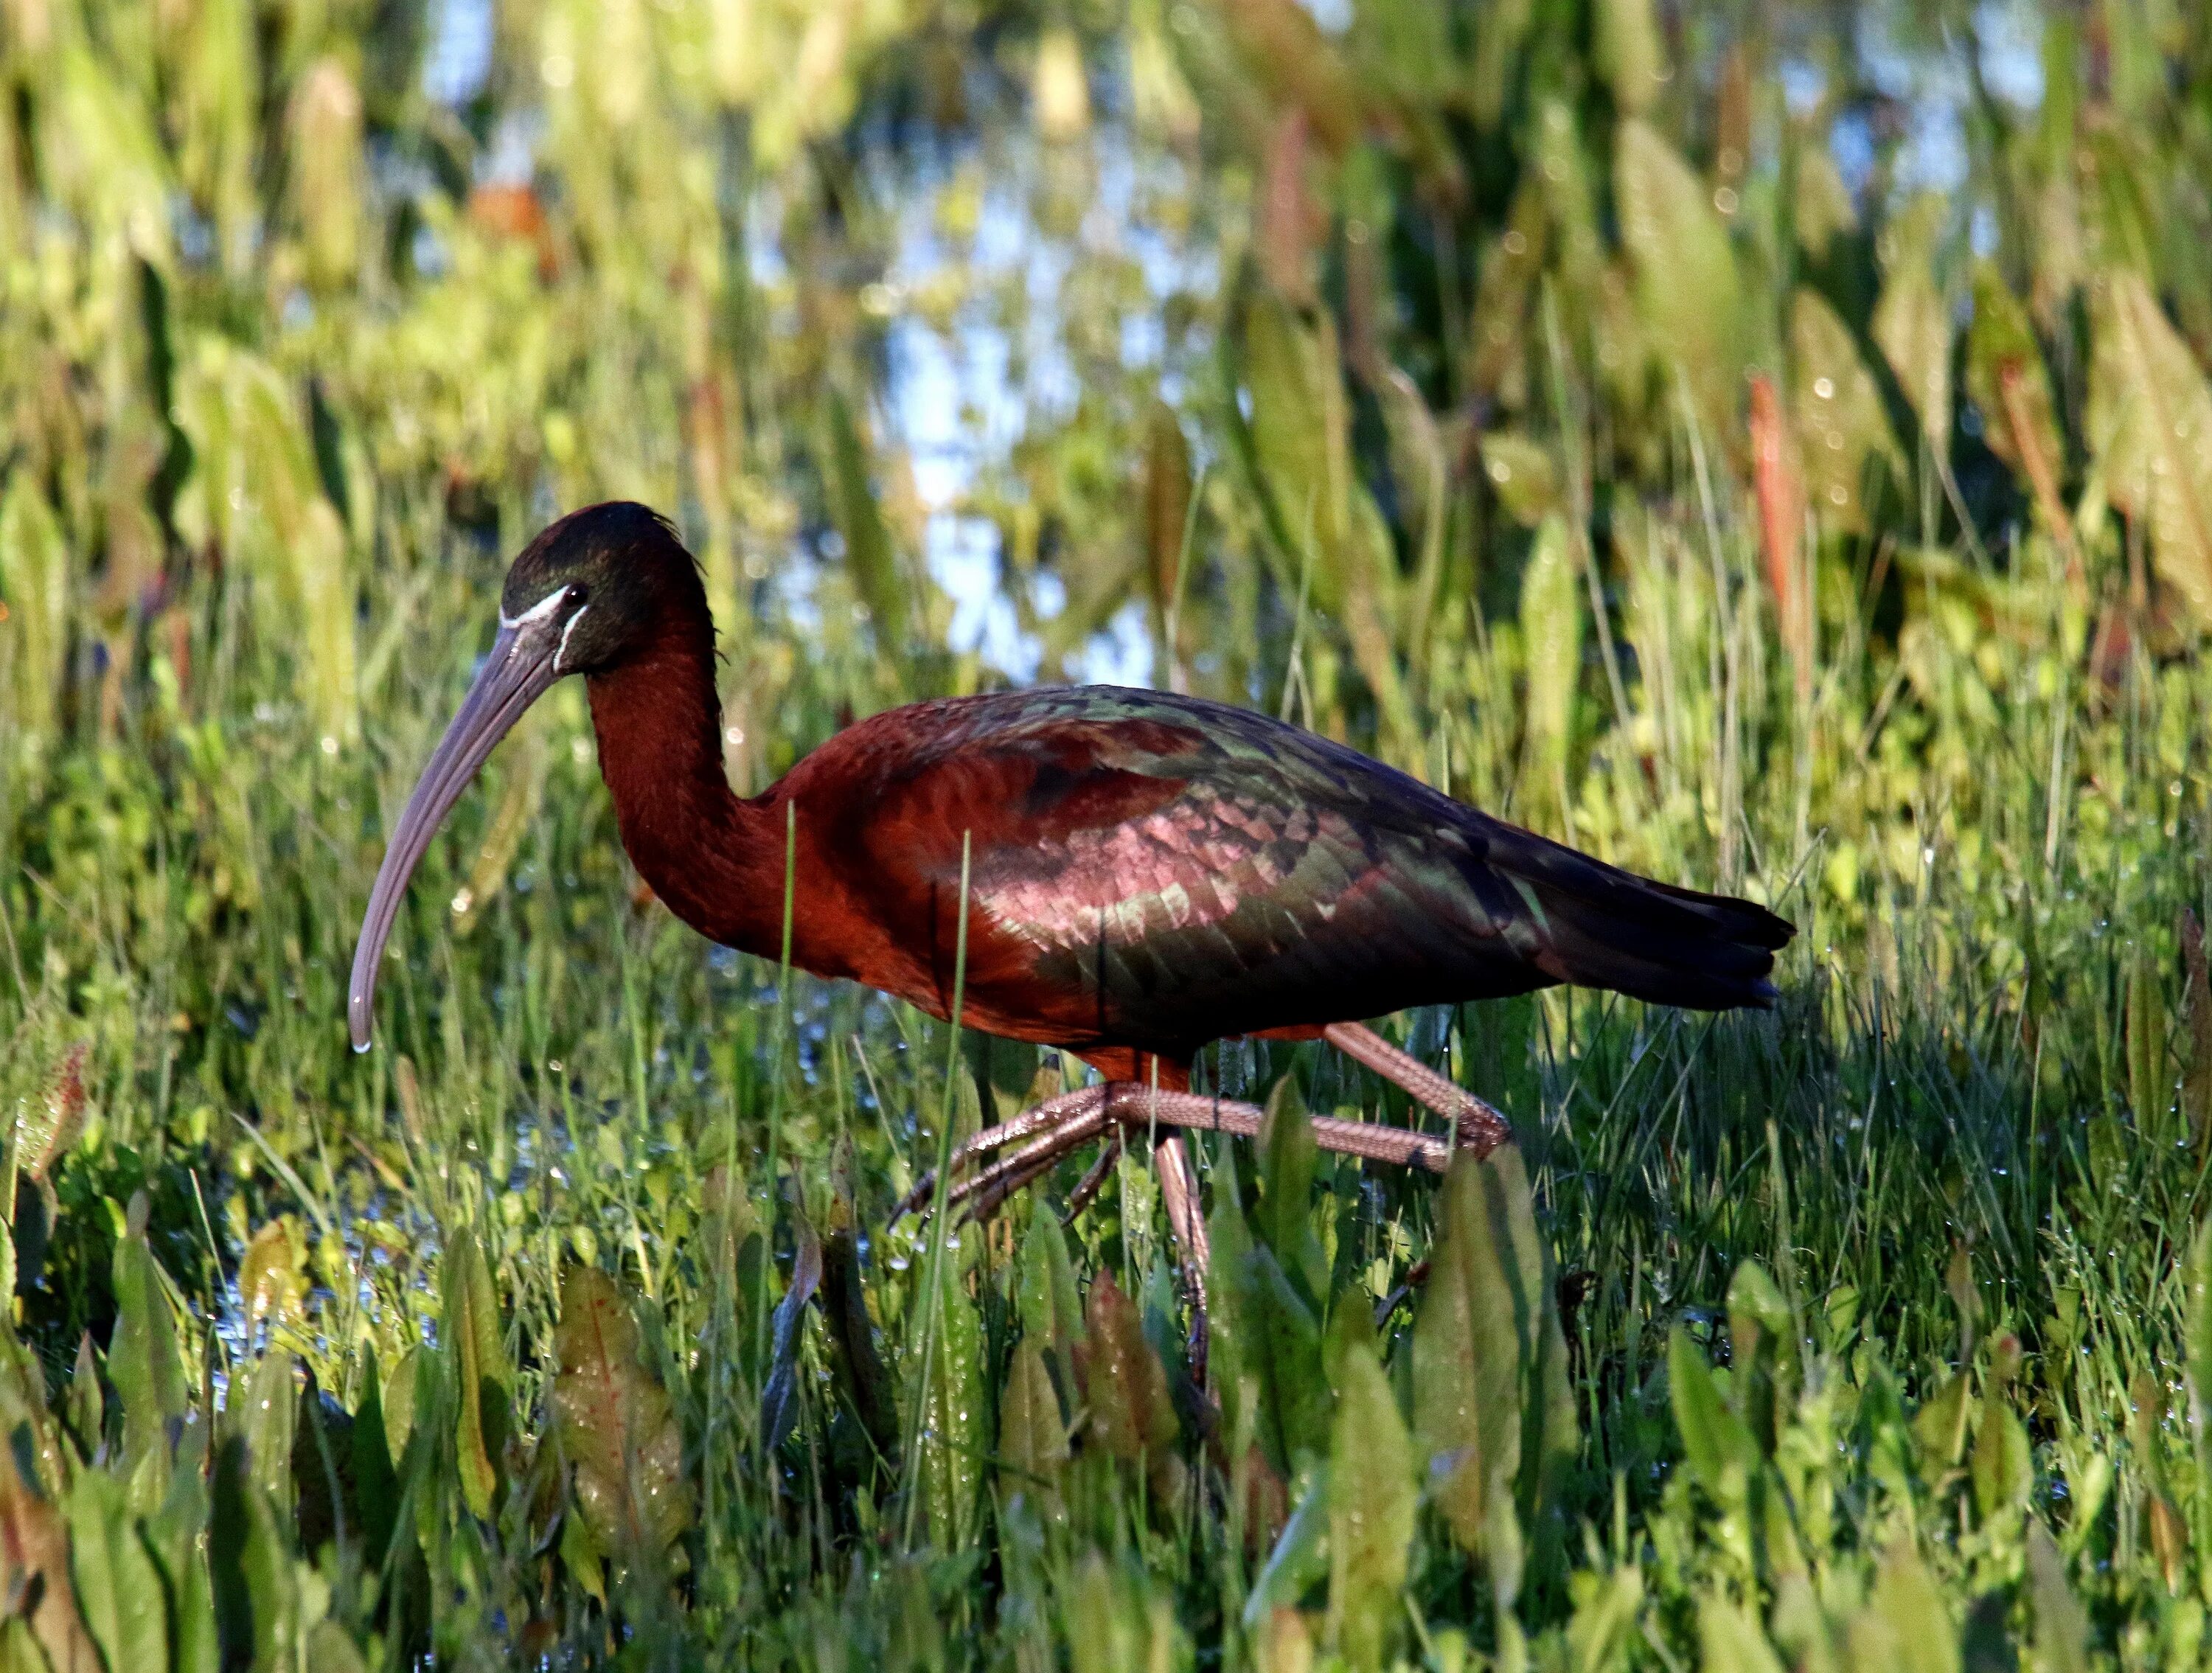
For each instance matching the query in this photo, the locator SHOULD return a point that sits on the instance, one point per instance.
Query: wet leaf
(955, 1411)
(1491, 1407)
(478, 1355)
(1124, 1384)
(1032, 1432)
(47, 1128)
(268, 1276)
(2004, 1468)
(1045, 1295)
(1372, 1499)
(616, 1424)
(265, 1415)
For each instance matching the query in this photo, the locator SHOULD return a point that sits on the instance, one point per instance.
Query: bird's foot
(1480, 1126)
(1040, 1136)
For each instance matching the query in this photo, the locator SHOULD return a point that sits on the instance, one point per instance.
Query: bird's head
(598, 589)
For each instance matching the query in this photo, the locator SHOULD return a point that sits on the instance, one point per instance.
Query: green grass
(566, 1329)
(1965, 1154)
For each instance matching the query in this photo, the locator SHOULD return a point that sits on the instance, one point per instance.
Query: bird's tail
(1597, 926)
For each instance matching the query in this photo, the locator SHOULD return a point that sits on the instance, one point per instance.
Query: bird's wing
(1178, 870)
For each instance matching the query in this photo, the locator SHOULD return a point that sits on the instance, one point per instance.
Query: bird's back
(1158, 871)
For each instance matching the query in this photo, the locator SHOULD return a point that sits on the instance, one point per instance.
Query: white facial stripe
(537, 612)
(561, 651)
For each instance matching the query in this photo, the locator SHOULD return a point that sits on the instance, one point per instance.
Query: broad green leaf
(2003, 1468)
(1045, 1295)
(2062, 1626)
(1372, 1500)
(35, 586)
(1762, 1353)
(2150, 1090)
(180, 1536)
(1686, 272)
(1284, 1218)
(616, 1424)
(376, 1482)
(332, 171)
(1491, 1407)
(1912, 322)
(1300, 451)
(955, 1411)
(2150, 425)
(1939, 1429)
(1032, 1432)
(472, 1336)
(1732, 1640)
(264, 1413)
(1124, 1384)
(1522, 474)
(1604, 1623)
(119, 1588)
(142, 1360)
(1629, 53)
(399, 1403)
(1843, 430)
(1281, 1356)
(1723, 1457)
(863, 1381)
(871, 554)
(86, 1412)
(1300, 1557)
(1498, 56)
(1904, 1627)
(1551, 613)
(1822, 207)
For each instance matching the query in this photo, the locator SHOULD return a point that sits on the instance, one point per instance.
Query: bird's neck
(715, 859)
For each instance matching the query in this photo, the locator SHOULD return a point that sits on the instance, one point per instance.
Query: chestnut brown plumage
(1147, 873)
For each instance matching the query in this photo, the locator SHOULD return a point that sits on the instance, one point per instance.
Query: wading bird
(1142, 873)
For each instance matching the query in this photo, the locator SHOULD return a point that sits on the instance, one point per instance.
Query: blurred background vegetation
(1770, 446)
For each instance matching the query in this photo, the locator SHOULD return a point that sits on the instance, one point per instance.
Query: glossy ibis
(1145, 872)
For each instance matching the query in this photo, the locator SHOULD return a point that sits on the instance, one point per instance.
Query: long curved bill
(523, 664)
